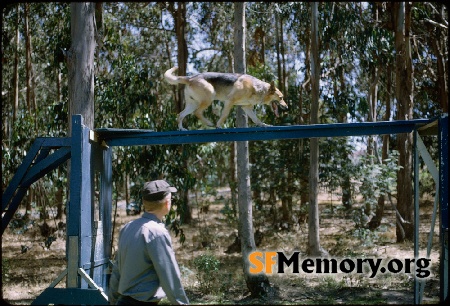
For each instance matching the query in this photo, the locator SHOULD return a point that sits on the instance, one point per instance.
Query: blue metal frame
(35, 165)
(89, 232)
(127, 137)
(89, 229)
(443, 193)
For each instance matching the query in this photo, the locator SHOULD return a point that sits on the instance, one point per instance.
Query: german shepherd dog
(231, 88)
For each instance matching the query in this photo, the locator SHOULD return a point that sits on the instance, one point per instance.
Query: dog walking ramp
(130, 137)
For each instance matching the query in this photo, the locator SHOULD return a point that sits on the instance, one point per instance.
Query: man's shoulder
(156, 228)
(154, 225)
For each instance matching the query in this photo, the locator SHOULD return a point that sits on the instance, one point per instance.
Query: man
(146, 270)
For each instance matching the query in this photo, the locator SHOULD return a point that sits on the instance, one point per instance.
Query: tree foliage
(137, 43)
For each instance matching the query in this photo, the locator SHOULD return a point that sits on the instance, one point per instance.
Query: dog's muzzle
(275, 104)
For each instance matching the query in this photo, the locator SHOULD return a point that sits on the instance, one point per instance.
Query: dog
(231, 88)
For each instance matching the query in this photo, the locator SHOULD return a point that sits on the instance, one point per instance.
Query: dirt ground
(28, 266)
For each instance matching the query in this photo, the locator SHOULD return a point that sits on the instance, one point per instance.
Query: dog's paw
(182, 129)
(264, 125)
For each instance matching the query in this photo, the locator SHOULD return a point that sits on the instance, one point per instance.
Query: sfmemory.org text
(277, 262)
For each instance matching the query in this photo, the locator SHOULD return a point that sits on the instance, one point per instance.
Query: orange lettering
(270, 261)
(258, 266)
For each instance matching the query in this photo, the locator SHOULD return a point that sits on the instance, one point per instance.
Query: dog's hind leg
(248, 109)
(189, 109)
(199, 113)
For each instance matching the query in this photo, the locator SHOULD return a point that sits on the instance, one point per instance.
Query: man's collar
(151, 216)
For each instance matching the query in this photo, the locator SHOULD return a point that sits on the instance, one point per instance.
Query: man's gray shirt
(145, 267)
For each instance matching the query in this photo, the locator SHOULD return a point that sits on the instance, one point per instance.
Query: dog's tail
(173, 79)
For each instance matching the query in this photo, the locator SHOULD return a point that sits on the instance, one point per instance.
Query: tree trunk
(278, 43)
(81, 62)
(180, 28)
(29, 73)
(379, 212)
(179, 15)
(258, 284)
(372, 98)
(283, 81)
(404, 86)
(99, 28)
(59, 198)
(441, 73)
(342, 113)
(304, 119)
(16, 70)
(233, 178)
(126, 183)
(29, 96)
(314, 248)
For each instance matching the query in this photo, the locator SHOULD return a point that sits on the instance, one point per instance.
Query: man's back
(146, 267)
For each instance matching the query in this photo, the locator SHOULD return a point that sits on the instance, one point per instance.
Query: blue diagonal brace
(45, 151)
(48, 164)
(7, 216)
(20, 173)
(28, 174)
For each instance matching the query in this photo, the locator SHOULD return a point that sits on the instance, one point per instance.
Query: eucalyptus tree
(339, 97)
(302, 32)
(271, 48)
(258, 284)
(430, 51)
(138, 42)
(212, 50)
(28, 30)
(80, 59)
(178, 12)
(314, 247)
(375, 49)
(132, 94)
(374, 45)
(404, 97)
(212, 46)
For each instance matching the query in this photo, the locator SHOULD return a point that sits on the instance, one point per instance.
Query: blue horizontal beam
(127, 137)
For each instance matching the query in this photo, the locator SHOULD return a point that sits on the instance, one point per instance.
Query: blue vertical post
(443, 193)
(86, 205)
(89, 218)
(79, 197)
(97, 264)
(106, 199)
(417, 292)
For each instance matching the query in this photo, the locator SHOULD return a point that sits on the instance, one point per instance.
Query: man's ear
(168, 200)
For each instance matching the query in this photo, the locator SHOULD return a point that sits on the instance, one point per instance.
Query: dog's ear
(272, 87)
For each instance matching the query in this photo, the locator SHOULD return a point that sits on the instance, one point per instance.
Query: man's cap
(156, 190)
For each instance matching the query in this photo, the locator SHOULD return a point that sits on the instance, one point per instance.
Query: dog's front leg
(248, 109)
